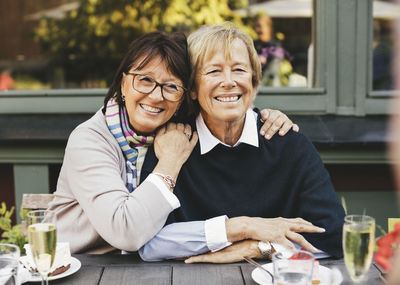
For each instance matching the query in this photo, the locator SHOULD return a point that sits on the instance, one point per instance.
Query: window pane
(50, 44)
(385, 13)
(24, 63)
(284, 42)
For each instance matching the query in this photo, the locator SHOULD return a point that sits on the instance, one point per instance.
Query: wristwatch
(266, 249)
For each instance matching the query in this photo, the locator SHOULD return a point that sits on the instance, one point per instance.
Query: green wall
(379, 204)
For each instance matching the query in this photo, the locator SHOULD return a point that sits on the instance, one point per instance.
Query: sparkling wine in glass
(9, 255)
(42, 236)
(358, 245)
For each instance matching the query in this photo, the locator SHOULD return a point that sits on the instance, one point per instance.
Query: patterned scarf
(132, 145)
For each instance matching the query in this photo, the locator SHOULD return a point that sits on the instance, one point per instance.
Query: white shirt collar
(208, 141)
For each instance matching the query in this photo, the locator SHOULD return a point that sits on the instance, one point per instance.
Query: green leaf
(381, 230)
(344, 205)
(3, 208)
(11, 234)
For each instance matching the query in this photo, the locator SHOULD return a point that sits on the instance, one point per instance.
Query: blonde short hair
(208, 38)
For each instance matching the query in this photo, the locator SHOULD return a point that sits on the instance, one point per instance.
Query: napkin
(62, 257)
(23, 274)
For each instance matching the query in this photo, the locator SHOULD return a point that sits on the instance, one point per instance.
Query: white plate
(75, 265)
(263, 278)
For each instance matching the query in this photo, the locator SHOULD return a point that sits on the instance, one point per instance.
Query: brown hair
(171, 47)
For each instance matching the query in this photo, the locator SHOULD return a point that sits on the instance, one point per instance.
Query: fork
(252, 261)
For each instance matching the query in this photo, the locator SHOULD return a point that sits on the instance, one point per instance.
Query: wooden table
(129, 269)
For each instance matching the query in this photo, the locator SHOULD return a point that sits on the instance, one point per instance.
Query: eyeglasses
(146, 84)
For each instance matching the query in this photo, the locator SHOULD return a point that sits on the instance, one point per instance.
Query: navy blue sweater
(283, 177)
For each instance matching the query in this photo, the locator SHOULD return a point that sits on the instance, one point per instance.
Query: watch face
(264, 246)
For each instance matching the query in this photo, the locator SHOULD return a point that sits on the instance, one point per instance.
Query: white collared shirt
(208, 141)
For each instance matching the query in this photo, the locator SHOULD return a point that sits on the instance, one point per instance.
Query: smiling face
(224, 86)
(147, 112)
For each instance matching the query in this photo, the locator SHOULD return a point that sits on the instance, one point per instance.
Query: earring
(123, 98)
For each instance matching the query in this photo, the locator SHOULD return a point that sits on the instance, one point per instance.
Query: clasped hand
(245, 232)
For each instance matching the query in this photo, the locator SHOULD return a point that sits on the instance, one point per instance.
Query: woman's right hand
(173, 145)
(279, 230)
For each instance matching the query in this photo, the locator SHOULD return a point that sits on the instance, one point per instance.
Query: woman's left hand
(233, 253)
(275, 120)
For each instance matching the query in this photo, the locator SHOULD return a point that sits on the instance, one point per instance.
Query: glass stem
(45, 280)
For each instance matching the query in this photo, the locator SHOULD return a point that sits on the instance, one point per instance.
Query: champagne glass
(9, 255)
(358, 245)
(42, 238)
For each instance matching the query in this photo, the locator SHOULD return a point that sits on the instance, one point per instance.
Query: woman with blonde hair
(274, 191)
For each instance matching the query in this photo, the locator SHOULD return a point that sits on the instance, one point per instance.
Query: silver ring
(188, 135)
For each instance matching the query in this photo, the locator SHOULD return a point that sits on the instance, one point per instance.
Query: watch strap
(266, 249)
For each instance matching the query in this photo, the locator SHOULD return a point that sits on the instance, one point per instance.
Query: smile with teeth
(151, 109)
(228, 99)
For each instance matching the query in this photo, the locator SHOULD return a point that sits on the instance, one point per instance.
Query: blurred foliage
(12, 234)
(89, 42)
(27, 82)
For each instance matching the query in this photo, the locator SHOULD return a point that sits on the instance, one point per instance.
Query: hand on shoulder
(173, 145)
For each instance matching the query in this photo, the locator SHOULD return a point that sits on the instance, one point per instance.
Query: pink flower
(387, 247)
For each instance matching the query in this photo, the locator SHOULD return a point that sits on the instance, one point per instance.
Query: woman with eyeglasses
(100, 201)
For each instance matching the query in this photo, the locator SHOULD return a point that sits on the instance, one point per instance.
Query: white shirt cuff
(216, 233)
(168, 195)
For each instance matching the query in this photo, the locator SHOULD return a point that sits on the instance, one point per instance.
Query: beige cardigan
(95, 211)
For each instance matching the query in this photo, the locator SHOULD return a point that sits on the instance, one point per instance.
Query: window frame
(376, 100)
(371, 102)
(319, 99)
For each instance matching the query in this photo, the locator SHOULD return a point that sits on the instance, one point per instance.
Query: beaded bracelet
(167, 179)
